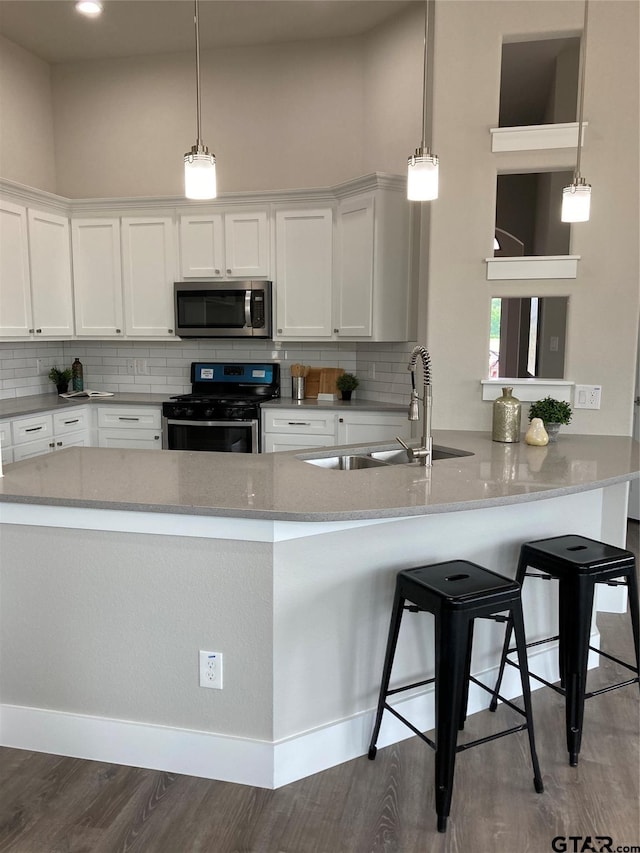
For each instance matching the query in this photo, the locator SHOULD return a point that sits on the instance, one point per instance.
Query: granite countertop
(31, 405)
(353, 405)
(281, 486)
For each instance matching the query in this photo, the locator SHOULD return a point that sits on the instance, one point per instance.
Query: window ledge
(528, 390)
(538, 266)
(536, 137)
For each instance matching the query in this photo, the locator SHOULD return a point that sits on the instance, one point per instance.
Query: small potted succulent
(61, 379)
(553, 413)
(346, 383)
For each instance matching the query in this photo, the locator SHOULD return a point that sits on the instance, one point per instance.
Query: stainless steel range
(222, 413)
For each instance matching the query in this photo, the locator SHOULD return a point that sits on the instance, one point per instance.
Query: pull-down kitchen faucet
(425, 452)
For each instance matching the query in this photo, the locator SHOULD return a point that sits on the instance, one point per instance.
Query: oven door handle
(172, 422)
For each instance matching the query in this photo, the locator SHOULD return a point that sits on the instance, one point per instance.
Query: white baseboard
(241, 760)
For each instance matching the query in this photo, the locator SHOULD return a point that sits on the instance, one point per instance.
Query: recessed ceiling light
(90, 8)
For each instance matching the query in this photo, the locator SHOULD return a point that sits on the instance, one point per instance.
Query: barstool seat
(457, 592)
(578, 563)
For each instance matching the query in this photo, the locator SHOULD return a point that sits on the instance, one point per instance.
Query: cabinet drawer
(302, 422)
(131, 417)
(274, 442)
(70, 421)
(130, 439)
(30, 429)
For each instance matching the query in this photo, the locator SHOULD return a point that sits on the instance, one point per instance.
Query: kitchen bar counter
(282, 487)
(117, 567)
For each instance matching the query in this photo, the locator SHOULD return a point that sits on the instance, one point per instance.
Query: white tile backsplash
(381, 368)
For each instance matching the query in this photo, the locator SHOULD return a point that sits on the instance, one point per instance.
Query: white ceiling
(54, 31)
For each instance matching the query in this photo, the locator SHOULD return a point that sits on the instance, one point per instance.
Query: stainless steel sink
(380, 459)
(401, 457)
(347, 463)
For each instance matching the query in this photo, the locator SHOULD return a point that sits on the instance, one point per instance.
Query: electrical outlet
(587, 397)
(131, 366)
(38, 365)
(211, 669)
(142, 367)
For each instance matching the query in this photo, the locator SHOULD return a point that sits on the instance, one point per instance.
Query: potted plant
(61, 379)
(346, 383)
(553, 413)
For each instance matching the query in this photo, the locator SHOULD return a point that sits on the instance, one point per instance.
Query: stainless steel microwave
(223, 309)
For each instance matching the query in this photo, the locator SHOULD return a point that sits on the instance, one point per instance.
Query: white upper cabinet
(15, 293)
(97, 277)
(354, 291)
(304, 273)
(202, 245)
(225, 245)
(148, 270)
(35, 274)
(373, 296)
(50, 262)
(246, 244)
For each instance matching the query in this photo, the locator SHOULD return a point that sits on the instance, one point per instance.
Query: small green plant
(60, 376)
(347, 382)
(551, 411)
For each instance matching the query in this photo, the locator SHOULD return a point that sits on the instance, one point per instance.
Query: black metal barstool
(578, 563)
(457, 592)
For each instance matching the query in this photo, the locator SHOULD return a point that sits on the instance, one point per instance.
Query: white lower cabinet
(130, 427)
(362, 427)
(43, 433)
(290, 429)
(293, 429)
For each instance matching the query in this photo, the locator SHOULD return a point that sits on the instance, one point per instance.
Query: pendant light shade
(199, 164)
(422, 176)
(576, 198)
(576, 201)
(423, 166)
(200, 174)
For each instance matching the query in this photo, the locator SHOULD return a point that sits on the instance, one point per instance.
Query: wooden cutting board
(312, 383)
(328, 376)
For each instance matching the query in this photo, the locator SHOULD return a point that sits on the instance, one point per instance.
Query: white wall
(26, 127)
(276, 117)
(604, 299)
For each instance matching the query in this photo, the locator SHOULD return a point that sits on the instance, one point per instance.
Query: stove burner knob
(188, 413)
(208, 413)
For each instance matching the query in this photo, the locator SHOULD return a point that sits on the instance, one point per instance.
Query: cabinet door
(148, 269)
(5, 442)
(15, 292)
(246, 244)
(202, 246)
(304, 269)
(32, 448)
(97, 277)
(363, 427)
(73, 439)
(354, 291)
(50, 261)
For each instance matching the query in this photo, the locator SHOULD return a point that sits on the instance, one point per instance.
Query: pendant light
(199, 164)
(576, 198)
(422, 172)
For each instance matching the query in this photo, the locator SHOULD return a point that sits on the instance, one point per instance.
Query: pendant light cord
(583, 64)
(195, 19)
(424, 75)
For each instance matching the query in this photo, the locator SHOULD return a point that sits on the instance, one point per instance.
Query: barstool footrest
(410, 725)
(409, 686)
(521, 728)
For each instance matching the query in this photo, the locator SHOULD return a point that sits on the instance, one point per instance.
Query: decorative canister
(506, 417)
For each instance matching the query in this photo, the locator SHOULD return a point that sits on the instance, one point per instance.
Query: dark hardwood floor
(50, 804)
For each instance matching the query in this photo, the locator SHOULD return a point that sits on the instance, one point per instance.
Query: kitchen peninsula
(118, 566)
